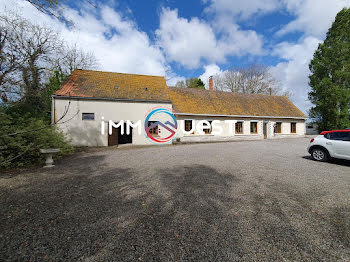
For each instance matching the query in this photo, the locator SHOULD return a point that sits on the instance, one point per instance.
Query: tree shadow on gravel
(84, 211)
(186, 221)
(113, 215)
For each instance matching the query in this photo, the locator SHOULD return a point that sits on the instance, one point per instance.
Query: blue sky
(182, 39)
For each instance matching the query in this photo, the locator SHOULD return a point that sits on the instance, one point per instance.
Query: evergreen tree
(200, 84)
(191, 83)
(330, 78)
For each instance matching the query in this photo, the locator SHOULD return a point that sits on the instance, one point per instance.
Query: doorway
(124, 139)
(117, 138)
(113, 138)
(265, 130)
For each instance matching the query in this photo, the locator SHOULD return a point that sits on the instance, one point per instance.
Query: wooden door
(265, 130)
(113, 138)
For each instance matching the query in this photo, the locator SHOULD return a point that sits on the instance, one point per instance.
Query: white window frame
(193, 126)
(275, 125)
(82, 116)
(239, 121)
(295, 127)
(257, 127)
(211, 128)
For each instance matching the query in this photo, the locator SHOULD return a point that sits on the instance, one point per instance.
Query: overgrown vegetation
(22, 136)
(330, 78)
(34, 62)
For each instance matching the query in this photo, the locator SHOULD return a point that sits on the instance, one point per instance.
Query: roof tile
(87, 83)
(196, 101)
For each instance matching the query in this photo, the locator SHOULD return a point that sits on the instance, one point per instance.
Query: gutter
(53, 107)
(112, 99)
(242, 116)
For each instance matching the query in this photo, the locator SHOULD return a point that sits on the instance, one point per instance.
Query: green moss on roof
(87, 83)
(193, 101)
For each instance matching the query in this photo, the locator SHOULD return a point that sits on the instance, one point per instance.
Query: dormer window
(116, 87)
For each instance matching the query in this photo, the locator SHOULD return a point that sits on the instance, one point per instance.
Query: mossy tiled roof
(196, 101)
(97, 84)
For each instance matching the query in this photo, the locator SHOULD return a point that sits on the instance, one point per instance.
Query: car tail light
(312, 140)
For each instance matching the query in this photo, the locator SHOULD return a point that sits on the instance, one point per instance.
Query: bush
(30, 135)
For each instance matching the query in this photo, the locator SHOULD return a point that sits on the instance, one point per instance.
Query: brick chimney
(211, 83)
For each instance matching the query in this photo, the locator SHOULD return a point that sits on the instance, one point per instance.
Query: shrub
(22, 137)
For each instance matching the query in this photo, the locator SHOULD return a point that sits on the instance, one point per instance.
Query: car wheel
(319, 154)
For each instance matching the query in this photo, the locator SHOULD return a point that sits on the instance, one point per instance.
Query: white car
(329, 144)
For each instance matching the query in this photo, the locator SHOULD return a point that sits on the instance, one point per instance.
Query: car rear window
(343, 136)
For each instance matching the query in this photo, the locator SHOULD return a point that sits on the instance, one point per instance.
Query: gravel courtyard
(238, 201)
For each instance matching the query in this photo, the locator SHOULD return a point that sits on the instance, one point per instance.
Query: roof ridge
(88, 70)
(221, 91)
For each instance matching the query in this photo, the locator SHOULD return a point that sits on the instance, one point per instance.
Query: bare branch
(71, 58)
(253, 79)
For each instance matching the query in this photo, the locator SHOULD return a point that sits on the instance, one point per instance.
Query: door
(113, 138)
(340, 144)
(124, 138)
(265, 130)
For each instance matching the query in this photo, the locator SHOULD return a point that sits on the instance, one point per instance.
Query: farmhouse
(89, 98)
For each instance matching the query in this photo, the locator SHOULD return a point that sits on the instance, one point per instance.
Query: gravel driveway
(239, 201)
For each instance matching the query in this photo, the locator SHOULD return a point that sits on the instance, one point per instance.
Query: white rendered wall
(247, 135)
(88, 132)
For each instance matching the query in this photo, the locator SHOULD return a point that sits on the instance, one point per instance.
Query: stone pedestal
(48, 153)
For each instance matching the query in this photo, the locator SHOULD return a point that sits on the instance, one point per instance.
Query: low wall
(280, 136)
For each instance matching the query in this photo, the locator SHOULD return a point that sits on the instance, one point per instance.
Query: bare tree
(72, 57)
(32, 48)
(254, 79)
(180, 83)
(8, 60)
(30, 54)
(228, 81)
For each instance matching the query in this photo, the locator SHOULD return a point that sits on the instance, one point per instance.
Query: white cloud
(313, 18)
(293, 74)
(241, 10)
(172, 78)
(115, 40)
(188, 42)
(210, 70)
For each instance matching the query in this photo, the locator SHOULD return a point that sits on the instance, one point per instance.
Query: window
(239, 127)
(88, 116)
(154, 129)
(278, 128)
(188, 125)
(342, 136)
(207, 130)
(253, 127)
(293, 128)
